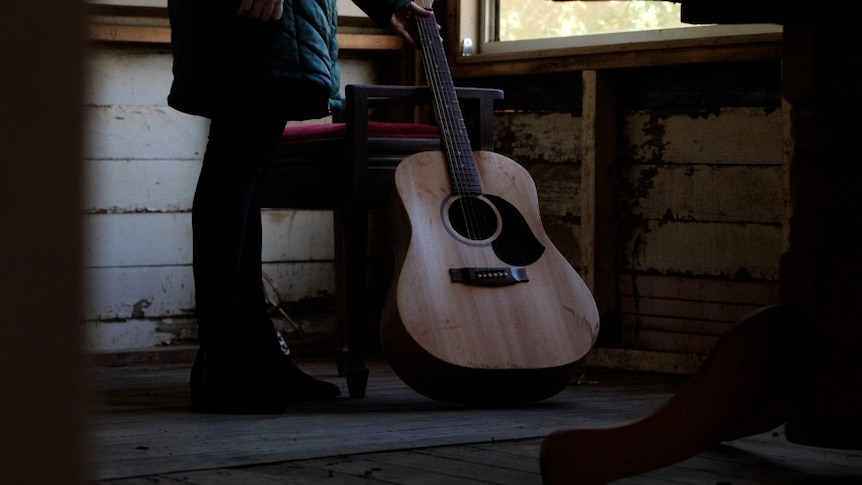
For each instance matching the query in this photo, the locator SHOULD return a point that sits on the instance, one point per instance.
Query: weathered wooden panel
(548, 144)
(559, 188)
(305, 235)
(752, 293)
(726, 250)
(750, 194)
(146, 239)
(538, 137)
(143, 132)
(667, 341)
(736, 83)
(141, 292)
(138, 334)
(142, 160)
(116, 186)
(565, 236)
(127, 75)
(163, 239)
(680, 314)
(722, 136)
(702, 194)
(297, 280)
(124, 74)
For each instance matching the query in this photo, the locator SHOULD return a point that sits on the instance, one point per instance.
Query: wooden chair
(347, 166)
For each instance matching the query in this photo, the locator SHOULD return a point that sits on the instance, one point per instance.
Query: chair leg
(351, 236)
(739, 391)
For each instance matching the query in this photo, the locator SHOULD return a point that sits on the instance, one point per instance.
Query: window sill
(752, 47)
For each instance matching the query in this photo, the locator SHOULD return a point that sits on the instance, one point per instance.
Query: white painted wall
(141, 163)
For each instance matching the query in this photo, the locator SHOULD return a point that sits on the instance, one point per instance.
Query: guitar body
(456, 327)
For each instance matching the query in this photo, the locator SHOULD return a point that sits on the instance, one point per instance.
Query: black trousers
(231, 308)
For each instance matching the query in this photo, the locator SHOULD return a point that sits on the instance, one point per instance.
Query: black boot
(246, 379)
(225, 381)
(300, 386)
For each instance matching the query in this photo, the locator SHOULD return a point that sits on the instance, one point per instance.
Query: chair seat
(376, 129)
(305, 172)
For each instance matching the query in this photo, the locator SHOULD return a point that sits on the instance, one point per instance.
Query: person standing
(250, 66)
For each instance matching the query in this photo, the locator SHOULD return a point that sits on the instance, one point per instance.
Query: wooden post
(598, 198)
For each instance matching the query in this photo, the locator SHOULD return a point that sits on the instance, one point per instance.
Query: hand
(261, 9)
(404, 25)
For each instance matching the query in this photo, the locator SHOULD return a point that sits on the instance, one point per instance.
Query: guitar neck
(456, 143)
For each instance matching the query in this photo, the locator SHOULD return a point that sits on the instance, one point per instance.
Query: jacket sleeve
(380, 11)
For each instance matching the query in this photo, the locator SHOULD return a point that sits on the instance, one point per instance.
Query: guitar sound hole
(473, 218)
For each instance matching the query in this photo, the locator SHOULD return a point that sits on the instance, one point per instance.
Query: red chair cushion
(376, 129)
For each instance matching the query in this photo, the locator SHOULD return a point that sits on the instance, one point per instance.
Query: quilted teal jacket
(223, 63)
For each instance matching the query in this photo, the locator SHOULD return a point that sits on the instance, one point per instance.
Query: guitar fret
(453, 132)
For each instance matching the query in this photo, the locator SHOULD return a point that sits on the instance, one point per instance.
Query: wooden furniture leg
(737, 392)
(351, 229)
(351, 236)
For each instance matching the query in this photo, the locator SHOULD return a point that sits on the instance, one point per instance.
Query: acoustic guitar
(483, 309)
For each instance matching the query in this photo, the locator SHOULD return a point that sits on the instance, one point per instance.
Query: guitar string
(461, 186)
(465, 182)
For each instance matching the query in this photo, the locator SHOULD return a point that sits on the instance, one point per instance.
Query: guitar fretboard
(456, 143)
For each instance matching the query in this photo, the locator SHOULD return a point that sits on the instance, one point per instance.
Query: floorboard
(142, 430)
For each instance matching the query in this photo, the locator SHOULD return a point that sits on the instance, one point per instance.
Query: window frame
(709, 43)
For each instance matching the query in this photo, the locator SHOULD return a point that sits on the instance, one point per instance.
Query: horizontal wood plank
(675, 315)
(683, 314)
(162, 35)
(701, 193)
(164, 239)
(538, 137)
(699, 289)
(667, 341)
(129, 33)
(704, 249)
(158, 292)
(123, 132)
(120, 75)
(729, 136)
(133, 186)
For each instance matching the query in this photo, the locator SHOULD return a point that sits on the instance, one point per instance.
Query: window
(505, 26)
(541, 19)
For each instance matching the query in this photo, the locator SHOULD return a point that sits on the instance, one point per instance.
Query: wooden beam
(129, 33)
(162, 35)
(754, 47)
(375, 42)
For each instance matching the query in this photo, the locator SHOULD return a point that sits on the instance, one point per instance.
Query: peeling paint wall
(702, 205)
(141, 162)
(548, 144)
(702, 193)
(701, 199)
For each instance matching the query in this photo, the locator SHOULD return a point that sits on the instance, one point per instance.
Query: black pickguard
(515, 243)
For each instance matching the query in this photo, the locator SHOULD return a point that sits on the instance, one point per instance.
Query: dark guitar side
(461, 342)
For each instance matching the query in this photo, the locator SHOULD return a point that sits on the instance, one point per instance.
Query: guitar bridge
(489, 276)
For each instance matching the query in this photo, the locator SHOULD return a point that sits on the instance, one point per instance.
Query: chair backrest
(318, 165)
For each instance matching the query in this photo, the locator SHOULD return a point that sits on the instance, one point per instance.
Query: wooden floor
(143, 431)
